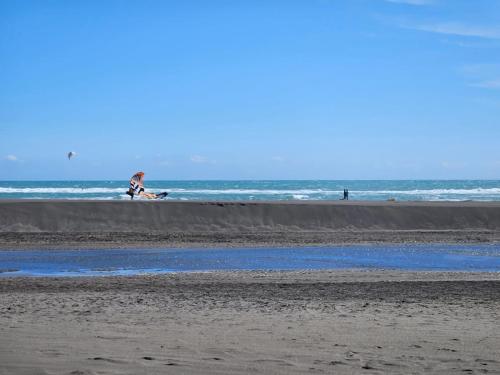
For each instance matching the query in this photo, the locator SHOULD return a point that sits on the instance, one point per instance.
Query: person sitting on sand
(137, 186)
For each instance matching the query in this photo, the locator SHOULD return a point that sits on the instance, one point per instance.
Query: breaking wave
(260, 190)
(298, 192)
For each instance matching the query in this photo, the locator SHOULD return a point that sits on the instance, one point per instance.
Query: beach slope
(38, 223)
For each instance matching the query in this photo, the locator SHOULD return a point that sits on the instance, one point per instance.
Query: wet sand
(118, 224)
(342, 322)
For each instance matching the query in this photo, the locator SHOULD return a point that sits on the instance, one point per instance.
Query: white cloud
(278, 159)
(198, 159)
(11, 158)
(453, 164)
(485, 76)
(477, 70)
(490, 102)
(455, 28)
(494, 84)
(412, 2)
(476, 43)
(201, 159)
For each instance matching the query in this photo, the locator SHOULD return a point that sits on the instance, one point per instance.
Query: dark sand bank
(341, 322)
(35, 223)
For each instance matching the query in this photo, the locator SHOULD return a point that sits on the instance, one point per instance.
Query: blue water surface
(401, 190)
(139, 261)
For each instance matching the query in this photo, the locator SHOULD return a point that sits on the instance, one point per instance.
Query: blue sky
(309, 89)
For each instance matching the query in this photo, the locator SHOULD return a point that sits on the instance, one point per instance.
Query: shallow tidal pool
(110, 262)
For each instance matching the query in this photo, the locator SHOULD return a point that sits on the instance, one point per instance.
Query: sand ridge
(179, 216)
(87, 224)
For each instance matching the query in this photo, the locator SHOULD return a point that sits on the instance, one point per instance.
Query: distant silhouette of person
(346, 195)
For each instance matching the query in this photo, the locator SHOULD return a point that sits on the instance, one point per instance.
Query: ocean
(401, 190)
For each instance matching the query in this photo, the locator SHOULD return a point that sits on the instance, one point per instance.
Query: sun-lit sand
(340, 322)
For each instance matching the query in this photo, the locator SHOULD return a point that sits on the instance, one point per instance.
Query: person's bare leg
(147, 195)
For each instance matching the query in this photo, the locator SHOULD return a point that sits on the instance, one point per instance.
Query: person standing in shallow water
(346, 195)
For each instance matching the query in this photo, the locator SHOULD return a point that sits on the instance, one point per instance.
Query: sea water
(139, 261)
(403, 190)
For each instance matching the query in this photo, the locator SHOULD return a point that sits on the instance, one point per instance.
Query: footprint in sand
(352, 356)
(335, 363)
(276, 361)
(485, 362)
(107, 360)
(51, 352)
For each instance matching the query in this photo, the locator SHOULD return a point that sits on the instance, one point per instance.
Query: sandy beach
(342, 322)
(117, 224)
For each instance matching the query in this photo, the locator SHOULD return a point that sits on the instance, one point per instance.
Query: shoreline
(118, 241)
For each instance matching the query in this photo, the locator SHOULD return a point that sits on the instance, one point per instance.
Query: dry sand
(341, 322)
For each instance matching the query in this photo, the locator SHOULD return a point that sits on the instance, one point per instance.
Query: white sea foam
(53, 190)
(300, 196)
(118, 193)
(95, 190)
(98, 190)
(478, 191)
(251, 191)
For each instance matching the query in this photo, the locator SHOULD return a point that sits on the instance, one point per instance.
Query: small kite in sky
(71, 154)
